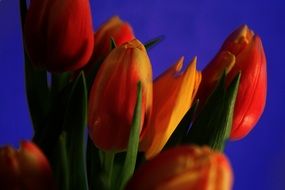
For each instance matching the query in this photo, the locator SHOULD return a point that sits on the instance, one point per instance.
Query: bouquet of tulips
(100, 120)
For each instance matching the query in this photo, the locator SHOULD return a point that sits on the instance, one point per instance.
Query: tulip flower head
(182, 168)
(114, 28)
(26, 168)
(173, 94)
(58, 35)
(114, 93)
(241, 52)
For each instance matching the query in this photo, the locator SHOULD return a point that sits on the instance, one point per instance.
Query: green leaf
(214, 122)
(108, 165)
(94, 166)
(152, 43)
(230, 103)
(59, 82)
(181, 130)
(59, 100)
(132, 150)
(60, 166)
(113, 44)
(221, 134)
(37, 90)
(94, 68)
(38, 95)
(115, 169)
(74, 125)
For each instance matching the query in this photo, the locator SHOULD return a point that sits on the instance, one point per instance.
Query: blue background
(196, 27)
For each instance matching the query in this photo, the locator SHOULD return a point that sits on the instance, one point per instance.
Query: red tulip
(58, 35)
(242, 51)
(183, 168)
(26, 168)
(115, 28)
(121, 32)
(114, 92)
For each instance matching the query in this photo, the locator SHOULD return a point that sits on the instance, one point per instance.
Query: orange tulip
(184, 168)
(173, 94)
(242, 51)
(113, 95)
(115, 28)
(26, 168)
(58, 35)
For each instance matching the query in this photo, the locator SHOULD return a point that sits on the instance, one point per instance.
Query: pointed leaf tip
(113, 44)
(153, 42)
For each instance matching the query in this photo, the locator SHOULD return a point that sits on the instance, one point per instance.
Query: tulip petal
(129, 165)
(173, 93)
(114, 28)
(58, 35)
(184, 167)
(241, 52)
(26, 168)
(251, 98)
(181, 131)
(113, 95)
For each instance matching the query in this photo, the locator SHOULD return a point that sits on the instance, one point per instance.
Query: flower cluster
(102, 79)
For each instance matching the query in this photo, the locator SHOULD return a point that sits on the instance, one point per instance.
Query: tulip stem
(108, 164)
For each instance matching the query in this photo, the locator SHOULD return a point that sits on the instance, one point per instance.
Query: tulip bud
(121, 32)
(114, 92)
(58, 35)
(26, 168)
(242, 51)
(184, 167)
(114, 28)
(173, 94)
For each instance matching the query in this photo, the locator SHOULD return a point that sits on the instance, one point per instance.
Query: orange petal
(184, 167)
(113, 95)
(173, 93)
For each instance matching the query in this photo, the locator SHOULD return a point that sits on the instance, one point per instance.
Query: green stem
(108, 163)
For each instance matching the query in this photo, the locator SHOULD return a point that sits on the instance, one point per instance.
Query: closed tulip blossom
(173, 94)
(26, 168)
(121, 32)
(184, 168)
(241, 52)
(114, 93)
(114, 28)
(58, 35)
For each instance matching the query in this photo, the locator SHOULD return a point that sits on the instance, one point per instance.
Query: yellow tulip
(173, 94)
